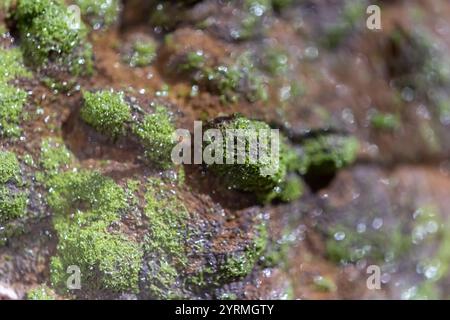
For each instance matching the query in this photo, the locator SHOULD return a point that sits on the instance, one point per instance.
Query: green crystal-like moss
(326, 154)
(254, 176)
(12, 99)
(41, 292)
(166, 240)
(9, 167)
(156, 133)
(54, 154)
(106, 111)
(144, 53)
(241, 264)
(49, 32)
(13, 204)
(13, 201)
(85, 205)
(99, 13)
(11, 65)
(385, 121)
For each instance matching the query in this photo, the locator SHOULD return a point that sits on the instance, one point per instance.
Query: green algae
(106, 111)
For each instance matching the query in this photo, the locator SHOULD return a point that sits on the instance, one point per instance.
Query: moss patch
(166, 240)
(41, 292)
(50, 34)
(99, 13)
(12, 99)
(156, 132)
(13, 200)
(143, 53)
(85, 205)
(106, 111)
(326, 154)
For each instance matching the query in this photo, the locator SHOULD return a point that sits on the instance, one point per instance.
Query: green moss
(227, 296)
(251, 22)
(144, 53)
(13, 204)
(12, 99)
(276, 61)
(241, 264)
(327, 153)
(54, 154)
(385, 121)
(11, 65)
(254, 176)
(13, 201)
(41, 292)
(289, 190)
(48, 34)
(166, 240)
(324, 284)
(353, 12)
(85, 205)
(348, 246)
(106, 111)
(99, 13)
(9, 167)
(156, 133)
(194, 60)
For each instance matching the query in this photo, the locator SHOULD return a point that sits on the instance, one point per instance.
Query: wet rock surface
(98, 196)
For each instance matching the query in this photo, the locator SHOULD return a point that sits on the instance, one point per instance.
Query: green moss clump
(326, 154)
(241, 264)
(144, 53)
(54, 154)
(166, 240)
(13, 201)
(346, 245)
(253, 176)
(99, 13)
(156, 133)
(289, 190)
(11, 65)
(324, 284)
(251, 23)
(9, 167)
(193, 61)
(353, 12)
(12, 99)
(41, 292)
(385, 121)
(106, 111)
(276, 61)
(49, 34)
(85, 205)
